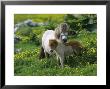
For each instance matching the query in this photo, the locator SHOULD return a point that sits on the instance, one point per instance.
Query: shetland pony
(59, 34)
(63, 50)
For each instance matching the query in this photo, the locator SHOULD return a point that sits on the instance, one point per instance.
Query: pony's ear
(67, 26)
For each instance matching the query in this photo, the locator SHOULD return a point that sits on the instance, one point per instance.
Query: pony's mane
(74, 44)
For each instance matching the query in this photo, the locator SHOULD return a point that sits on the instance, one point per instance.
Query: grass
(38, 17)
(27, 63)
(34, 67)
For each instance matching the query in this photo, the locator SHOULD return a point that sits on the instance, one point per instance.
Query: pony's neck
(59, 46)
(59, 41)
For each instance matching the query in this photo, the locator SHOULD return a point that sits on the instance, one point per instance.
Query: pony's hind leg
(47, 55)
(42, 54)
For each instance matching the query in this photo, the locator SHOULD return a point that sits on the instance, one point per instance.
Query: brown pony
(63, 50)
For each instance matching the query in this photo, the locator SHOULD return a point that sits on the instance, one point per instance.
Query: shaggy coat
(60, 31)
(59, 34)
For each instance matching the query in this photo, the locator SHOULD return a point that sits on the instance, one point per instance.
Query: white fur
(49, 34)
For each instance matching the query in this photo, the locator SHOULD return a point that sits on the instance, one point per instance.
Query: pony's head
(61, 32)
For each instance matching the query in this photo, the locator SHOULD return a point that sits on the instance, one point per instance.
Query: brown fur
(74, 44)
(53, 43)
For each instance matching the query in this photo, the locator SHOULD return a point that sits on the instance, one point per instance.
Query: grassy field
(27, 63)
(39, 17)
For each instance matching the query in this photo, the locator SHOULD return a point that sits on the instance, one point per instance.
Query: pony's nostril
(51, 51)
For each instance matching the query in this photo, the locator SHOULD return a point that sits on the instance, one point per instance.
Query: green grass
(38, 17)
(48, 67)
(29, 46)
(27, 63)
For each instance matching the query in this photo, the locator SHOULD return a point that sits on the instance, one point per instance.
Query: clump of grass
(34, 67)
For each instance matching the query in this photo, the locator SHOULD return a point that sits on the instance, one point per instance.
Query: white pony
(49, 34)
(59, 34)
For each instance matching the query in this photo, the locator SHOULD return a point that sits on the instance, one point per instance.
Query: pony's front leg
(57, 57)
(62, 60)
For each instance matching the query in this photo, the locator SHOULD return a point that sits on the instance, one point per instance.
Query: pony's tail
(42, 54)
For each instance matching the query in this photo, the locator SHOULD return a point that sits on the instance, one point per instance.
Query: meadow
(27, 62)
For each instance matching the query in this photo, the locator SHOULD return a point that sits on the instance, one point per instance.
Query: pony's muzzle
(64, 40)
